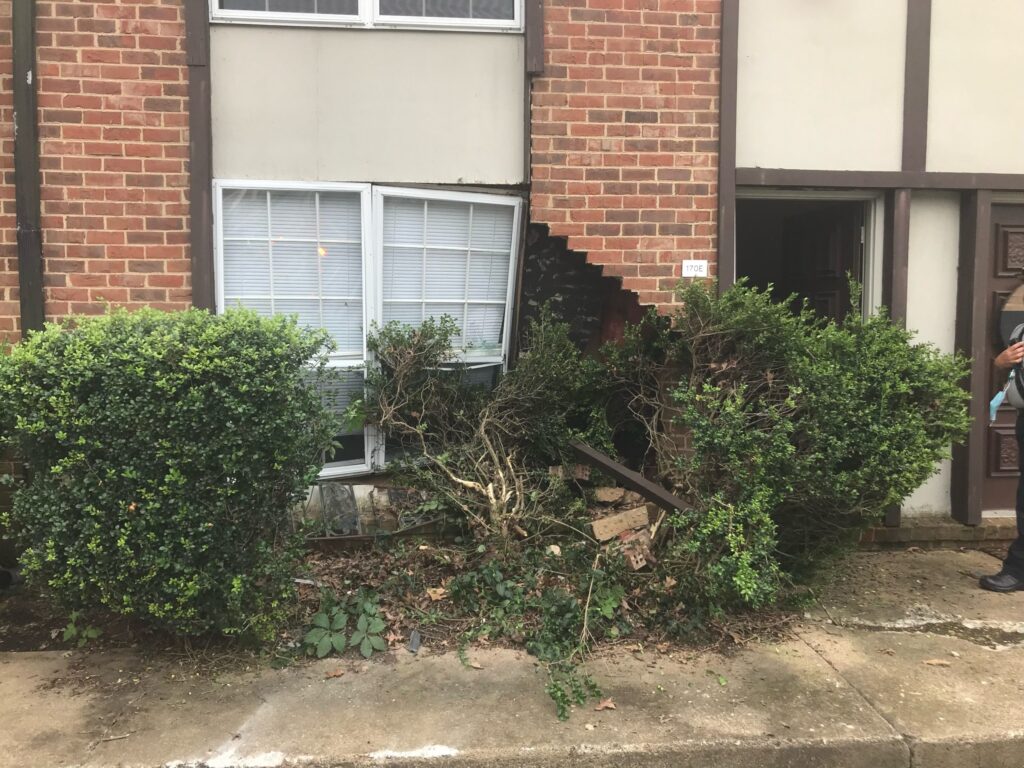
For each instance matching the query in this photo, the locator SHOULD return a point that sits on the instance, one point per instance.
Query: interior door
(1000, 487)
(822, 247)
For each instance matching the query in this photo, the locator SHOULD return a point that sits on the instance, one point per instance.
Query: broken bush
(790, 434)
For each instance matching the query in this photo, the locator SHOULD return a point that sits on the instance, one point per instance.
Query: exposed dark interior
(802, 247)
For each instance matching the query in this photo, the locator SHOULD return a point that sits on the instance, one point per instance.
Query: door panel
(1007, 265)
(822, 247)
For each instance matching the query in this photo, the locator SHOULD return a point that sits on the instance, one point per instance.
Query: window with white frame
(343, 257)
(500, 15)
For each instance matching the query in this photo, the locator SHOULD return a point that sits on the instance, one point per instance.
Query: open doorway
(806, 247)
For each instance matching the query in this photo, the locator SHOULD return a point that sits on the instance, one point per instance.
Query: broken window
(344, 257)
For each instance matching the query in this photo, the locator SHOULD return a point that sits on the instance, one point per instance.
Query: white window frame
(369, 17)
(371, 200)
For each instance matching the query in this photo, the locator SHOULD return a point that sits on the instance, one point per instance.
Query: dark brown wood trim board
(200, 121)
(27, 190)
(729, 52)
(792, 177)
(634, 481)
(896, 253)
(972, 338)
(915, 84)
(534, 29)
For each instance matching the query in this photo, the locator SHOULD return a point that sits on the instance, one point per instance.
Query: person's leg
(1011, 577)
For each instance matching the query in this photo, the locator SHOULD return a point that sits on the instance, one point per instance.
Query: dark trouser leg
(1014, 563)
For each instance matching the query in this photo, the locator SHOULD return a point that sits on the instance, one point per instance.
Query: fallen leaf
(954, 654)
(476, 665)
(604, 704)
(336, 673)
(437, 593)
(393, 638)
(555, 550)
(938, 663)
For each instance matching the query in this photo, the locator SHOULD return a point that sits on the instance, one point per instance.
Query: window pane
(343, 7)
(407, 314)
(446, 275)
(344, 321)
(452, 9)
(293, 214)
(340, 217)
(494, 9)
(447, 224)
(244, 5)
(486, 377)
(454, 311)
(246, 268)
(488, 276)
(338, 387)
(341, 269)
(492, 227)
(307, 310)
(401, 7)
(291, 6)
(245, 213)
(403, 273)
(484, 327)
(259, 306)
(296, 272)
(403, 221)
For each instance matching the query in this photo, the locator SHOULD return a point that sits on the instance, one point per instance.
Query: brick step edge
(940, 532)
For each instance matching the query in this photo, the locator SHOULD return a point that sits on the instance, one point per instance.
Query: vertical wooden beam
(728, 72)
(972, 338)
(533, 26)
(915, 84)
(896, 253)
(200, 149)
(27, 192)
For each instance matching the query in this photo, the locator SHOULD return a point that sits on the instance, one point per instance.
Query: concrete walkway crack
(907, 739)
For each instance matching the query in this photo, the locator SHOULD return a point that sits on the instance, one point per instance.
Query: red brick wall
(625, 135)
(114, 153)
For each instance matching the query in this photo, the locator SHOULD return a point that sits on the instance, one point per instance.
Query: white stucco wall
(976, 94)
(931, 305)
(820, 84)
(367, 105)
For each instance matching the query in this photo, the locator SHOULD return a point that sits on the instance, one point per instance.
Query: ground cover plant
(787, 435)
(163, 450)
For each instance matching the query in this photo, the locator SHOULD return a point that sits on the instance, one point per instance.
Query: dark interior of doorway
(804, 248)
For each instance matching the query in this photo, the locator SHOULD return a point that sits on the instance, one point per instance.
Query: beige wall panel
(931, 306)
(367, 105)
(820, 84)
(976, 95)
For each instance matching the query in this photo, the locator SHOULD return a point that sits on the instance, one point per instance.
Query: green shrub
(801, 433)
(485, 453)
(164, 451)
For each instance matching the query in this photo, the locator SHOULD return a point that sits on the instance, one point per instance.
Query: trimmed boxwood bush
(164, 450)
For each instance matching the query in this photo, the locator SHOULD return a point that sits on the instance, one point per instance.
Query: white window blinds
(297, 253)
(450, 258)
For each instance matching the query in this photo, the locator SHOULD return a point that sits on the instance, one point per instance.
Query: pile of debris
(624, 519)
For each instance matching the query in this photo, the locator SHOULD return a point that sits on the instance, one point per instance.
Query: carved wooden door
(1001, 471)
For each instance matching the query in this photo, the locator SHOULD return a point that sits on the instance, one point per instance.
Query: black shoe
(1002, 582)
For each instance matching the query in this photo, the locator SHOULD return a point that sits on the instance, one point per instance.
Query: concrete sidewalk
(907, 664)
